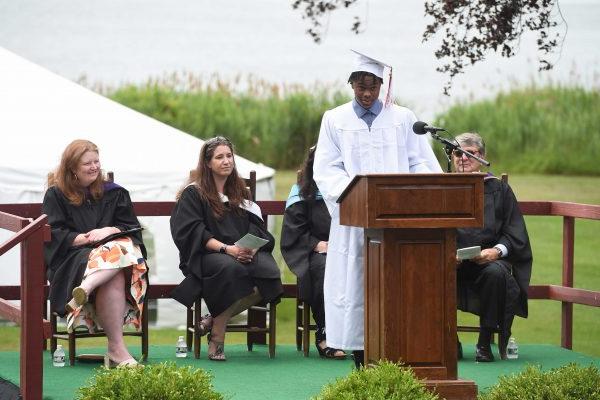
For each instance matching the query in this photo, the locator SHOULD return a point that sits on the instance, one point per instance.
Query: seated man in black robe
(493, 284)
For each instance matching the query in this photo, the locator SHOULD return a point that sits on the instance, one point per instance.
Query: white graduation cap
(369, 64)
(376, 67)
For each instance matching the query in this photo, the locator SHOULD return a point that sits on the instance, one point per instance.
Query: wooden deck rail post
(32, 295)
(566, 337)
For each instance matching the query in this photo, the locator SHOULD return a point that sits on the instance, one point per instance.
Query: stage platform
(291, 376)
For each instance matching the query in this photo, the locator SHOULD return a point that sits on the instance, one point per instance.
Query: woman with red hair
(94, 281)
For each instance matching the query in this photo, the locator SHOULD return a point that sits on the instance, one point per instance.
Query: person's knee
(117, 282)
(494, 272)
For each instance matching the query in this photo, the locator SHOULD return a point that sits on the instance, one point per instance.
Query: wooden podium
(410, 268)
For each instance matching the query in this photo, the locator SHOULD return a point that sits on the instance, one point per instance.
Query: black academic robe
(305, 223)
(503, 224)
(66, 264)
(219, 278)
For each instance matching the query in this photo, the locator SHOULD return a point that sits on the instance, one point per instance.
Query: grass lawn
(543, 324)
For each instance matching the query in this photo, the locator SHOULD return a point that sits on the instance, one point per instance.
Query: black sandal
(205, 325)
(329, 352)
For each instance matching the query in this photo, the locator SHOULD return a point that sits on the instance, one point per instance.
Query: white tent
(41, 112)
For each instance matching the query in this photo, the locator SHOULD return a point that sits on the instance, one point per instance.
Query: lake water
(115, 41)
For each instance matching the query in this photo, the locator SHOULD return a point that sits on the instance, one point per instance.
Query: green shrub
(569, 382)
(163, 381)
(386, 381)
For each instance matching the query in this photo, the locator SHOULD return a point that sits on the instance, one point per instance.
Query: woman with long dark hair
(304, 238)
(213, 212)
(94, 284)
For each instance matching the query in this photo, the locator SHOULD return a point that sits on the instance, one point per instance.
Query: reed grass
(549, 129)
(268, 123)
(544, 130)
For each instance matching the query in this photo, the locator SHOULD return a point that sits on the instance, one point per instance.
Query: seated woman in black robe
(92, 284)
(493, 284)
(211, 214)
(304, 237)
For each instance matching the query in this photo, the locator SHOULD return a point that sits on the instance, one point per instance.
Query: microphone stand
(449, 147)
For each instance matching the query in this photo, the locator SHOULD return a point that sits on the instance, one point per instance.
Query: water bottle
(181, 348)
(512, 350)
(58, 358)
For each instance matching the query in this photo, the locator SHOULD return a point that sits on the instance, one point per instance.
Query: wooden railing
(34, 330)
(31, 259)
(564, 293)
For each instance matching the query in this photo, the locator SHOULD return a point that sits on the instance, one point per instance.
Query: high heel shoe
(129, 363)
(80, 297)
(219, 353)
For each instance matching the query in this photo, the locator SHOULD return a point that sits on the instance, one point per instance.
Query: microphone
(421, 128)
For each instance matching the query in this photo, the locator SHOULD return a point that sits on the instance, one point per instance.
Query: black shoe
(459, 351)
(483, 354)
(359, 358)
(330, 352)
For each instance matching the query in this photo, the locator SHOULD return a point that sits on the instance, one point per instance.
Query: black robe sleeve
(297, 244)
(305, 223)
(188, 228)
(125, 219)
(62, 236)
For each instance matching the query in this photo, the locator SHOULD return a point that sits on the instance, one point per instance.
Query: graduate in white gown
(363, 136)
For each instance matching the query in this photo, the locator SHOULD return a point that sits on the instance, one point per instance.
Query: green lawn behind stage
(543, 324)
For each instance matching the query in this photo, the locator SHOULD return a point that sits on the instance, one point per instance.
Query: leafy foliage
(163, 381)
(471, 28)
(386, 381)
(569, 382)
(474, 28)
(315, 10)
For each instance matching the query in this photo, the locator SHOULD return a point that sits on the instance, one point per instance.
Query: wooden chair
(256, 326)
(71, 337)
(303, 326)
(476, 329)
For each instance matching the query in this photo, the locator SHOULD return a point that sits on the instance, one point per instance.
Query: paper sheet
(249, 241)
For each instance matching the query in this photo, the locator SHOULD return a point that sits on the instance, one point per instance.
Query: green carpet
(253, 376)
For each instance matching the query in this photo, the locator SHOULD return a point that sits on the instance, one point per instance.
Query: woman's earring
(75, 176)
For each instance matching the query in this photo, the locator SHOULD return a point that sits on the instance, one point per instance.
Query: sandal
(330, 352)
(80, 297)
(219, 353)
(205, 325)
(129, 363)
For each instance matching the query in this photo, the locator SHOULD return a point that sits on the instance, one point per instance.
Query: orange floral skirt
(118, 254)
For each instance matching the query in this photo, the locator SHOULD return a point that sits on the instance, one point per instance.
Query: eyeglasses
(459, 153)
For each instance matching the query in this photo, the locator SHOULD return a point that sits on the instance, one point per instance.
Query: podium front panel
(410, 300)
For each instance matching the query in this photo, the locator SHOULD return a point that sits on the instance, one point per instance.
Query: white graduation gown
(347, 147)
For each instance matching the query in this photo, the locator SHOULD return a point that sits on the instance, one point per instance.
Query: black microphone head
(419, 127)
